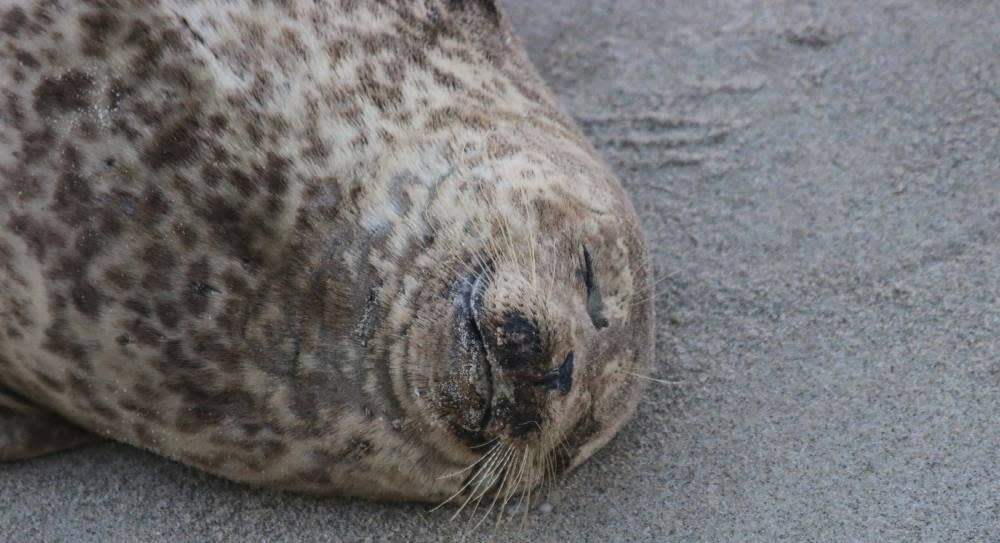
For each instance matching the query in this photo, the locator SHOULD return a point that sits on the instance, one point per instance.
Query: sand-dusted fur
(349, 246)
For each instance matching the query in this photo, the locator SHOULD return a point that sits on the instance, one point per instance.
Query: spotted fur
(241, 233)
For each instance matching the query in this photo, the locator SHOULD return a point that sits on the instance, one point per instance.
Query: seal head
(527, 344)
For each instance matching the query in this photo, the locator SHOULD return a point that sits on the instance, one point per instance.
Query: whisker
(484, 474)
(524, 517)
(472, 465)
(650, 294)
(494, 475)
(513, 488)
(484, 444)
(654, 379)
(503, 484)
(490, 454)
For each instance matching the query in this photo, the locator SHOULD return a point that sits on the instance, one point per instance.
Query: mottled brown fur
(325, 246)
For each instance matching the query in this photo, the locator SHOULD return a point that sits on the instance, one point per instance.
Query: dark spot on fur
(273, 449)
(187, 235)
(211, 408)
(137, 306)
(385, 97)
(235, 283)
(217, 123)
(446, 79)
(69, 92)
(143, 332)
(122, 126)
(242, 182)
(209, 346)
(150, 49)
(71, 198)
(178, 78)
(36, 235)
(159, 262)
(13, 21)
(140, 430)
(139, 406)
(235, 228)
(80, 387)
(98, 28)
(88, 244)
(59, 341)
(355, 451)
(87, 298)
(168, 313)
(187, 26)
(449, 115)
(119, 278)
(211, 173)
(38, 144)
(26, 59)
(176, 144)
(116, 93)
(153, 205)
(102, 410)
(13, 109)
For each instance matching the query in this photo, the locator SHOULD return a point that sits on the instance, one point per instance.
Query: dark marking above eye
(595, 305)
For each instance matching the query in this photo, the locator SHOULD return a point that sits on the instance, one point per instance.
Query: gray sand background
(820, 183)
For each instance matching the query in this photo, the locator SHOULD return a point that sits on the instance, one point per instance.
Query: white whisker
(654, 379)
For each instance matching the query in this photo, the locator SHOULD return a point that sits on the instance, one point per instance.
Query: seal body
(347, 247)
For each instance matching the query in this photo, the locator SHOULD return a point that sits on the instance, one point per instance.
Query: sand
(820, 183)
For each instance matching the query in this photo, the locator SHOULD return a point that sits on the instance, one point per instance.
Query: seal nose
(561, 378)
(516, 343)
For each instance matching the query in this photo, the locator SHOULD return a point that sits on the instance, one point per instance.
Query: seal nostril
(561, 378)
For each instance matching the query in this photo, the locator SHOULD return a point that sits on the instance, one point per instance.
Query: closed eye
(595, 306)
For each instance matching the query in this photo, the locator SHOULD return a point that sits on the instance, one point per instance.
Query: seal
(343, 247)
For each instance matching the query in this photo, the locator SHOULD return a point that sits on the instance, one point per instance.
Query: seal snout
(509, 365)
(529, 366)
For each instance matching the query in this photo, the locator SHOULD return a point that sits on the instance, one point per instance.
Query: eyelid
(588, 270)
(595, 307)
